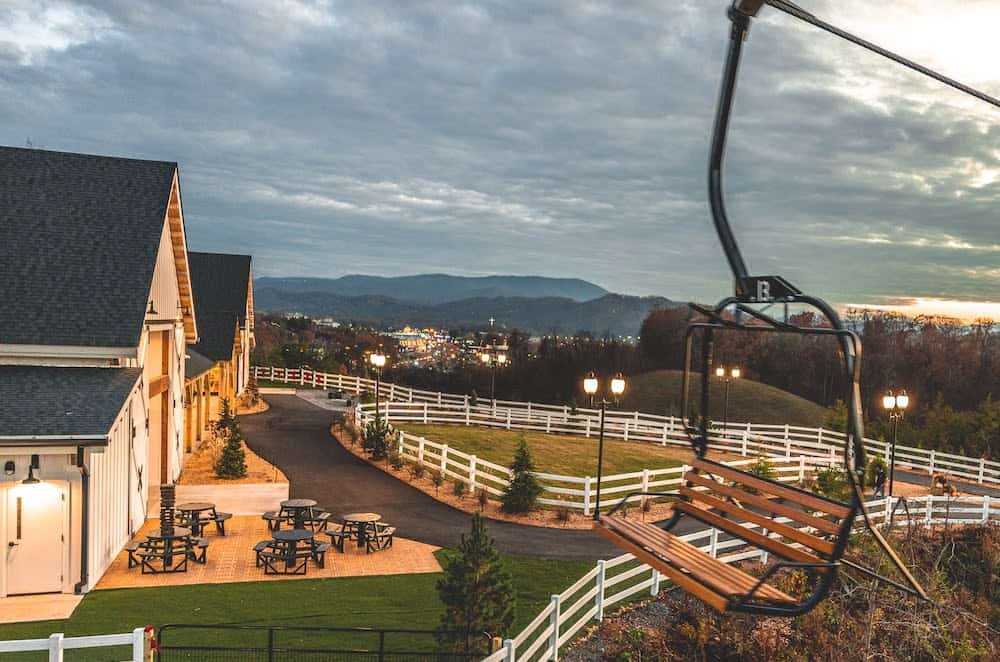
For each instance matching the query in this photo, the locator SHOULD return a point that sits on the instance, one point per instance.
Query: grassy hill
(659, 392)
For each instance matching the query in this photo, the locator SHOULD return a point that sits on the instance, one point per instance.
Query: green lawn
(398, 601)
(554, 453)
(659, 392)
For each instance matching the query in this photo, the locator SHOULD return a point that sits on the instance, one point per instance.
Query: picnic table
(158, 551)
(359, 524)
(191, 514)
(286, 554)
(299, 510)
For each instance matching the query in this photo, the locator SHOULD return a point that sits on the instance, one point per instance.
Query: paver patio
(231, 559)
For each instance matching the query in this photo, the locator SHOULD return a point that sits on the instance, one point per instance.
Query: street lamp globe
(736, 372)
(590, 384)
(902, 400)
(720, 372)
(484, 357)
(617, 384)
(889, 401)
(378, 360)
(501, 358)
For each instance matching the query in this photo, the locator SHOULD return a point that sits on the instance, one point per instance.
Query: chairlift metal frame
(764, 291)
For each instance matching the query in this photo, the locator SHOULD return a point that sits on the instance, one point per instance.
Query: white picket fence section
(56, 643)
(576, 492)
(624, 578)
(404, 404)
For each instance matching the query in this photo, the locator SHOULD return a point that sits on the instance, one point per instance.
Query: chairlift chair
(804, 531)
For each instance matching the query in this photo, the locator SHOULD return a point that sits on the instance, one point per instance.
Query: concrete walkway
(294, 435)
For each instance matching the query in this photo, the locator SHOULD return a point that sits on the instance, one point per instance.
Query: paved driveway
(294, 435)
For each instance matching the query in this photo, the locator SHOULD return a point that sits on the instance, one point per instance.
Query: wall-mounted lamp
(8, 468)
(31, 479)
(151, 310)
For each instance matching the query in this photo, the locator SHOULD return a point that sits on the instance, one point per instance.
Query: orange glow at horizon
(966, 311)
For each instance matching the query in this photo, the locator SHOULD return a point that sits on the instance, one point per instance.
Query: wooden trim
(800, 516)
(159, 385)
(770, 487)
(756, 539)
(790, 532)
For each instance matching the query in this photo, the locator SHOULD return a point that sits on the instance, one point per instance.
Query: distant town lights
(484, 357)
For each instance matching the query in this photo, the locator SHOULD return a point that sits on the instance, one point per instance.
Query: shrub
(832, 483)
(872, 469)
(366, 397)
(232, 463)
(458, 488)
(438, 480)
(523, 489)
(562, 513)
(473, 398)
(416, 470)
(396, 461)
(477, 593)
(251, 394)
(483, 499)
(763, 468)
(376, 439)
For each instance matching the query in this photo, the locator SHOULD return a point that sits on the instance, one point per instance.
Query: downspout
(84, 521)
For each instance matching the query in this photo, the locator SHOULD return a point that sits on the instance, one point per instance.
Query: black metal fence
(266, 643)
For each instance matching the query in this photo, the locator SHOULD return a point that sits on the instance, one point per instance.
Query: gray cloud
(554, 138)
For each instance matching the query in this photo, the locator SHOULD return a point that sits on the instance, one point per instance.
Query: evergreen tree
(523, 490)
(223, 426)
(477, 593)
(376, 438)
(232, 463)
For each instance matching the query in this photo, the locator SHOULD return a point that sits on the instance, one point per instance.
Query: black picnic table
(191, 513)
(178, 536)
(291, 539)
(361, 522)
(299, 509)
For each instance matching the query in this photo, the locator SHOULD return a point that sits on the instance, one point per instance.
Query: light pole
(495, 356)
(734, 373)
(590, 387)
(896, 406)
(378, 360)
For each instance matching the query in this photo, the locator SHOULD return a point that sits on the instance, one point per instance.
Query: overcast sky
(553, 138)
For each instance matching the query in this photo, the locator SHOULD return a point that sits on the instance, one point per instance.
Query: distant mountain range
(440, 288)
(535, 304)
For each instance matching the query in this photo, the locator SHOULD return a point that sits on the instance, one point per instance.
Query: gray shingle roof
(196, 364)
(79, 236)
(220, 283)
(45, 402)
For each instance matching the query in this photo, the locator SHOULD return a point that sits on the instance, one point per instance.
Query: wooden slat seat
(719, 584)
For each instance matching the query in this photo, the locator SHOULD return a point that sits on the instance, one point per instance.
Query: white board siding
(163, 291)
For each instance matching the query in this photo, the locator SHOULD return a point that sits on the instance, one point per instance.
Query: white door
(36, 520)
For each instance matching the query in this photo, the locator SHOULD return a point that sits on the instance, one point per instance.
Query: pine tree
(523, 490)
(477, 593)
(223, 426)
(232, 463)
(376, 438)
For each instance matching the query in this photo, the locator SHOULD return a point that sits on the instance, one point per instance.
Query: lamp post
(495, 356)
(590, 387)
(377, 360)
(728, 377)
(896, 405)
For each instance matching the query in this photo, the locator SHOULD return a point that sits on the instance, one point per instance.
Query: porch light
(31, 479)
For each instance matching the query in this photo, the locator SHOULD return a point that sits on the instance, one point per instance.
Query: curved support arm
(740, 25)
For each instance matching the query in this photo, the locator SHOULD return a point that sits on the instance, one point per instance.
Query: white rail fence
(576, 492)
(624, 578)
(56, 643)
(402, 403)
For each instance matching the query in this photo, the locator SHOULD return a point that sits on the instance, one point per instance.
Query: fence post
(713, 543)
(554, 620)
(529, 410)
(508, 417)
(420, 450)
(548, 425)
(654, 586)
(399, 437)
(599, 599)
(392, 391)
(586, 432)
(56, 647)
(982, 469)
(472, 474)
(819, 435)
(930, 508)
(467, 412)
(833, 455)
(586, 496)
(644, 487)
(802, 468)
(139, 645)
(746, 438)
(425, 413)
(786, 432)
(444, 459)
(508, 647)
(986, 509)
(788, 450)
(931, 470)
(466, 399)
(663, 441)
(625, 432)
